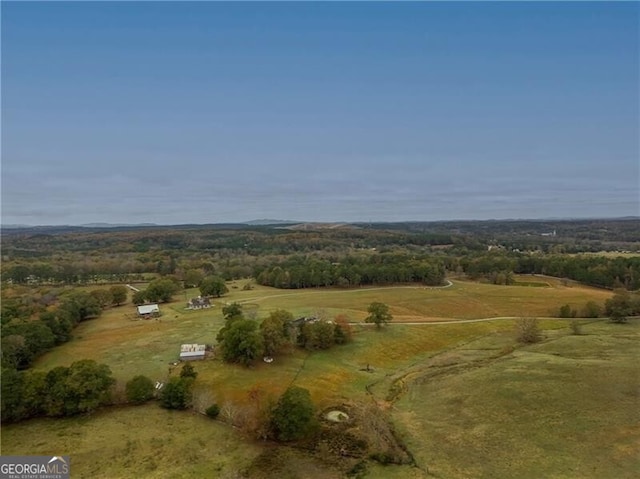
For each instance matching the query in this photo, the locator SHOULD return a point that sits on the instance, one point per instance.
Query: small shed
(148, 310)
(192, 352)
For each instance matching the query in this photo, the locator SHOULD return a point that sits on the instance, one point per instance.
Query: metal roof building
(145, 309)
(189, 352)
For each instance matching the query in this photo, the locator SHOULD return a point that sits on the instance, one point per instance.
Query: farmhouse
(302, 321)
(199, 303)
(192, 352)
(147, 311)
(294, 326)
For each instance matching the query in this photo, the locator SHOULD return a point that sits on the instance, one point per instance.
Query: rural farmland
(320, 240)
(439, 379)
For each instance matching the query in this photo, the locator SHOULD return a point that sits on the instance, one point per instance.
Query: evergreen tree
(293, 418)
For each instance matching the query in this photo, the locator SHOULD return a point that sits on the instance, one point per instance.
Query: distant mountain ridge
(115, 225)
(292, 224)
(262, 222)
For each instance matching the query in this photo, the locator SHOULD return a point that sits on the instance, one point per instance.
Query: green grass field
(398, 357)
(142, 441)
(148, 347)
(565, 408)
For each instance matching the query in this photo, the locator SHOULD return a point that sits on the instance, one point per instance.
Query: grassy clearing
(567, 407)
(143, 441)
(465, 300)
(610, 254)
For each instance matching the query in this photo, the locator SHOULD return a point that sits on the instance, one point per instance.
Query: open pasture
(373, 361)
(462, 300)
(148, 346)
(470, 406)
(132, 347)
(564, 408)
(142, 441)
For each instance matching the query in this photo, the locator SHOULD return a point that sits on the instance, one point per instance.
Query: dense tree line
(601, 271)
(352, 255)
(64, 391)
(25, 338)
(82, 388)
(386, 268)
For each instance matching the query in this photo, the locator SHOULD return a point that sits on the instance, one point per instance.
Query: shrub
(383, 458)
(188, 371)
(213, 411)
(177, 394)
(591, 310)
(527, 330)
(567, 311)
(358, 471)
(139, 390)
(575, 327)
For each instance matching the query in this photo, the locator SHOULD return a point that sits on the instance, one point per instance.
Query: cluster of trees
(63, 391)
(621, 305)
(160, 290)
(590, 310)
(322, 334)
(601, 271)
(617, 308)
(385, 268)
(212, 286)
(244, 340)
(178, 392)
(294, 416)
(24, 339)
(83, 387)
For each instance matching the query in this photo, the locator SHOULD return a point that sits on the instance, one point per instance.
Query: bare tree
(230, 413)
(202, 399)
(527, 330)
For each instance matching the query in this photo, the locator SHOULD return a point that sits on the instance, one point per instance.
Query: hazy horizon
(197, 113)
(274, 221)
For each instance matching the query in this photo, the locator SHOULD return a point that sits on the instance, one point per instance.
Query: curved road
(459, 321)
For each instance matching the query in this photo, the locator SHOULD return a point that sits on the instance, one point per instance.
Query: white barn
(146, 310)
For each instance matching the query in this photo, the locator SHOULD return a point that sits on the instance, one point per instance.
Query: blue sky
(218, 112)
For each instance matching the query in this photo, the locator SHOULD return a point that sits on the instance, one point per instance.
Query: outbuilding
(192, 352)
(148, 310)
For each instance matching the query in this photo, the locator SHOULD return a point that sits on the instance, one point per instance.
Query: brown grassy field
(464, 300)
